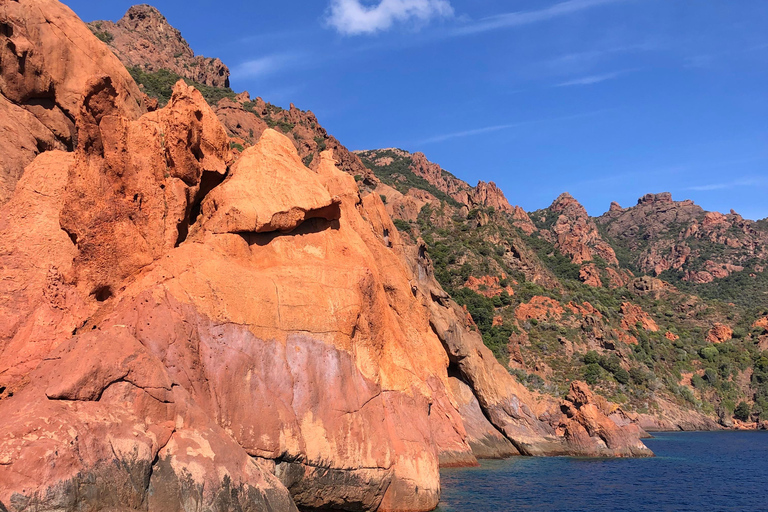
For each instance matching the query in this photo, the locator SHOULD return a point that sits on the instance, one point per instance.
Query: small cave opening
(6, 29)
(208, 181)
(454, 371)
(102, 293)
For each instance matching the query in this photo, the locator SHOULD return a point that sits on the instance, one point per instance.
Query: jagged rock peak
(565, 202)
(616, 207)
(143, 38)
(663, 197)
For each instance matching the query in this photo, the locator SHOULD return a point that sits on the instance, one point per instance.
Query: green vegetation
(104, 35)
(398, 174)
(159, 84)
(402, 225)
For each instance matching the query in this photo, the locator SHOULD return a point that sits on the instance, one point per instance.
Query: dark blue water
(698, 471)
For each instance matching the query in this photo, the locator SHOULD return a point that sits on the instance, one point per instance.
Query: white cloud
(353, 17)
(263, 66)
(515, 19)
(496, 128)
(592, 79)
(744, 182)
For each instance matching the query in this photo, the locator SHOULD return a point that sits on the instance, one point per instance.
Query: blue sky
(605, 99)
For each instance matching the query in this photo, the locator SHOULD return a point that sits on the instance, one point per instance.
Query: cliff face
(554, 295)
(183, 326)
(567, 225)
(143, 38)
(46, 58)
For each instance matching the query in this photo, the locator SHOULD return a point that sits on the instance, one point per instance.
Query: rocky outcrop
(521, 220)
(489, 195)
(576, 235)
(246, 120)
(539, 308)
(633, 317)
(663, 235)
(719, 333)
(590, 275)
(484, 195)
(761, 323)
(143, 38)
(46, 57)
(489, 286)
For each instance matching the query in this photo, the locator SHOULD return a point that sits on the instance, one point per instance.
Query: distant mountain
(144, 39)
(559, 295)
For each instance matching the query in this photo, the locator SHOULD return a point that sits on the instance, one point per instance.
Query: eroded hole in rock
(72, 236)
(453, 371)
(313, 225)
(102, 293)
(208, 181)
(6, 30)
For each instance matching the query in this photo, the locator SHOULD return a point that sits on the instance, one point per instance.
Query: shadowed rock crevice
(311, 226)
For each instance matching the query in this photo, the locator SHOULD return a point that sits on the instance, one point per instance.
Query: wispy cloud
(262, 66)
(499, 127)
(515, 19)
(352, 17)
(594, 79)
(742, 182)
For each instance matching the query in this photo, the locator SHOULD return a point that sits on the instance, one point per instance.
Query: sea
(692, 471)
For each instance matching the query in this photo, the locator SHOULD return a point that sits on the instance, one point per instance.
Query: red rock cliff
(255, 335)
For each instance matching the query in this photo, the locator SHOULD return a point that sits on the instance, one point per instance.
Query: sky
(606, 99)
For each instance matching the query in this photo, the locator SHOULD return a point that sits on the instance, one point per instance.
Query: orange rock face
(539, 308)
(576, 234)
(144, 38)
(584, 421)
(671, 336)
(761, 323)
(488, 286)
(46, 57)
(590, 275)
(177, 328)
(634, 316)
(719, 333)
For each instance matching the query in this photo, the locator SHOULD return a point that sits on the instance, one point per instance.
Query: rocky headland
(192, 322)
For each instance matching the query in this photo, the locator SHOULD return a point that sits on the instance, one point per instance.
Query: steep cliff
(183, 328)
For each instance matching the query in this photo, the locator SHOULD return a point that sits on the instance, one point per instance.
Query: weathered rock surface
(180, 331)
(46, 57)
(576, 234)
(246, 120)
(719, 333)
(663, 234)
(484, 439)
(143, 38)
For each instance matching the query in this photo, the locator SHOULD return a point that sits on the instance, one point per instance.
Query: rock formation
(182, 330)
(46, 57)
(663, 234)
(576, 234)
(484, 195)
(143, 38)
